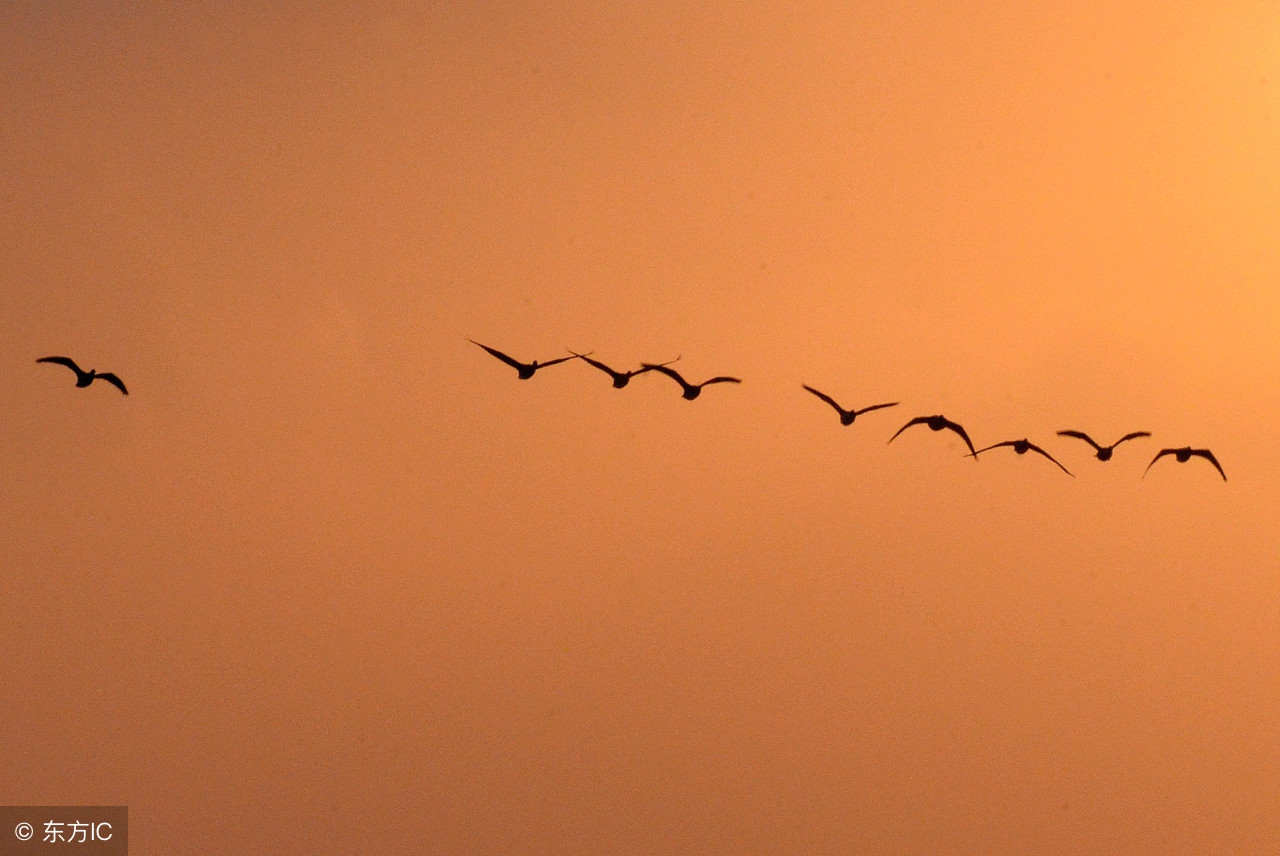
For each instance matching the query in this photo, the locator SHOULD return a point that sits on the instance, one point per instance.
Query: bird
(846, 416)
(691, 391)
(1104, 452)
(937, 423)
(84, 378)
(1183, 455)
(1022, 447)
(620, 379)
(526, 370)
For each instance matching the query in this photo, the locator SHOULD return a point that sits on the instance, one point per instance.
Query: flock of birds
(691, 391)
(936, 423)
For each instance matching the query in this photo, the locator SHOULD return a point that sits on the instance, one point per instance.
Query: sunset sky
(331, 579)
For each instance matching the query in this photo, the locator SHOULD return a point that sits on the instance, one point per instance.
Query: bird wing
(874, 407)
(1033, 447)
(63, 361)
(993, 446)
(1133, 436)
(597, 364)
(828, 399)
(502, 356)
(960, 430)
(553, 362)
(671, 373)
(111, 379)
(721, 380)
(1160, 455)
(1208, 456)
(919, 420)
(1080, 435)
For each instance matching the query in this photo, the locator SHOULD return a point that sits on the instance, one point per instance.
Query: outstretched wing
(874, 407)
(828, 399)
(513, 363)
(721, 380)
(919, 420)
(1080, 435)
(959, 430)
(1208, 456)
(597, 364)
(111, 379)
(553, 362)
(1133, 436)
(992, 446)
(671, 373)
(1033, 447)
(63, 361)
(1160, 455)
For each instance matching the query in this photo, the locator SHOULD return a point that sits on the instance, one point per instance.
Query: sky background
(332, 579)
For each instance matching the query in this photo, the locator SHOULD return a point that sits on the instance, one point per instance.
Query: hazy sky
(332, 579)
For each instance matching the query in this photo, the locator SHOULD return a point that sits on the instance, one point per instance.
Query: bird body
(1185, 454)
(525, 370)
(846, 416)
(691, 391)
(84, 378)
(1104, 452)
(1022, 447)
(938, 423)
(620, 379)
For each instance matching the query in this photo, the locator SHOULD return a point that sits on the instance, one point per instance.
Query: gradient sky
(331, 579)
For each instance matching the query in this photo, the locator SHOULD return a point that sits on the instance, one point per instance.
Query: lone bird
(84, 378)
(846, 416)
(937, 423)
(691, 391)
(1185, 454)
(1104, 452)
(526, 370)
(620, 379)
(1022, 447)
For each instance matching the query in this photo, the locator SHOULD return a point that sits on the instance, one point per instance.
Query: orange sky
(331, 579)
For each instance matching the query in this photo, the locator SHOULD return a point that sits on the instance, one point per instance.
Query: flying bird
(846, 416)
(691, 391)
(1185, 454)
(1104, 452)
(526, 370)
(1022, 447)
(937, 423)
(620, 379)
(84, 378)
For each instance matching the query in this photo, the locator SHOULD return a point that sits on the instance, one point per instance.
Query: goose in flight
(526, 370)
(1183, 455)
(84, 378)
(1104, 452)
(937, 423)
(1022, 447)
(620, 379)
(846, 416)
(691, 391)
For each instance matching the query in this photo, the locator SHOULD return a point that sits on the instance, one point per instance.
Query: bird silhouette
(1185, 454)
(937, 423)
(84, 378)
(846, 416)
(525, 370)
(1022, 447)
(1104, 452)
(691, 391)
(620, 379)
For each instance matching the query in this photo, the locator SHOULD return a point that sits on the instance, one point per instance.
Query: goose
(1185, 454)
(1104, 452)
(1022, 447)
(691, 391)
(84, 378)
(620, 379)
(937, 423)
(525, 370)
(846, 416)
